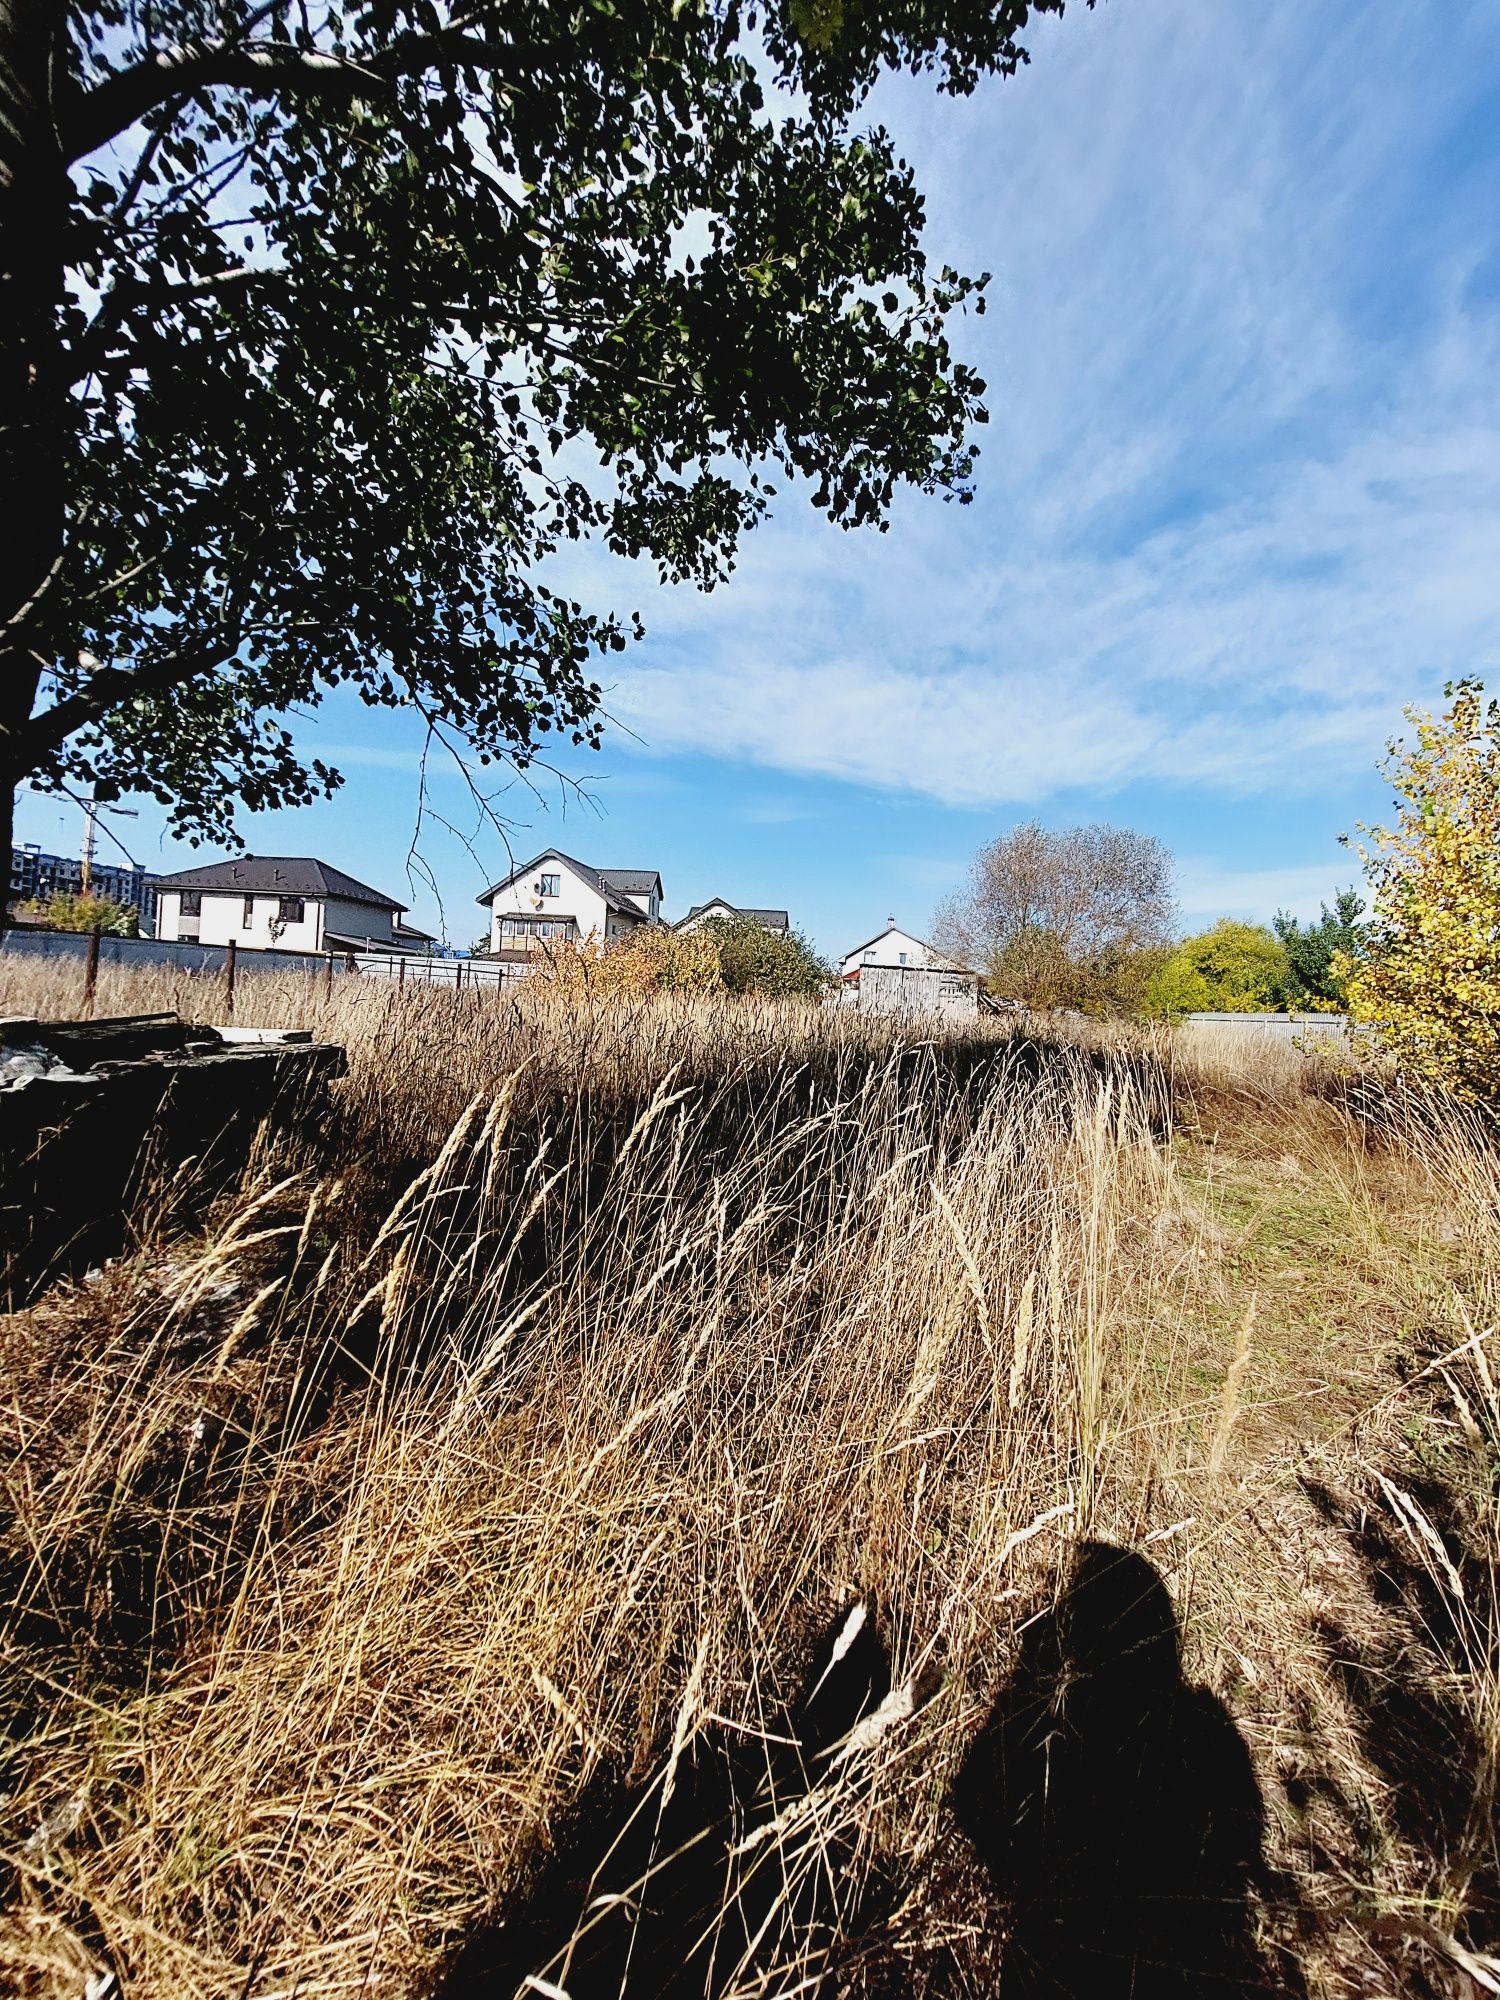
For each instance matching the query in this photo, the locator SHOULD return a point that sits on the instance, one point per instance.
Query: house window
(290, 910)
(247, 915)
(869, 958)
(191, 904)
(901, 958)
(550, 885)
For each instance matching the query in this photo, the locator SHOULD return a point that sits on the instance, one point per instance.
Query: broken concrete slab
(88, 1107)
(266, 1037)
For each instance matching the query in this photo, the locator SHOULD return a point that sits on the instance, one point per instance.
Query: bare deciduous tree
(1078, 917)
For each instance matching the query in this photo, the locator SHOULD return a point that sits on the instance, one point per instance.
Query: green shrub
(1233, 968)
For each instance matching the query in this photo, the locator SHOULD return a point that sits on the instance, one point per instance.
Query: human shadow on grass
(1114, 1807)
(730, 1870)
(1111, 1805)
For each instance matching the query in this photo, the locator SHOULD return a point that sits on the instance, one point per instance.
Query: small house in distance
(892, 946)
(556, 899)
(896, 972)
(280, 902)
(777, 921)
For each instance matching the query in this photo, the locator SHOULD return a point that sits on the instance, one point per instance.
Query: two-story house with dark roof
(777, 921)
(280, 902)
(555, 898)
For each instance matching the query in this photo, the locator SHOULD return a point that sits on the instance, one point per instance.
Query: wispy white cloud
(1241, 498)
(1206, 890)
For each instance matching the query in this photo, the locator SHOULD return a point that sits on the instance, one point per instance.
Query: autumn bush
(1233, 968)
(1429, 981)
(724, 955)
(654, 959)
(67, 911)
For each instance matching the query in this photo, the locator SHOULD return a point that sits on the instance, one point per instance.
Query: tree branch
(105, 689)
(263, 69)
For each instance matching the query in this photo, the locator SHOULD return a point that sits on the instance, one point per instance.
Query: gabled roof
(278, 875)
(632, 881)
(940, 960)
(887, 932)
(773, 920)
(608, 881)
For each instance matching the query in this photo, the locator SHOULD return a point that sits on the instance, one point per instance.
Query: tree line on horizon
(1085, 918)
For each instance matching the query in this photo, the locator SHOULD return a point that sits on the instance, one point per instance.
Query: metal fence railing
(231, 963)
(407, 968)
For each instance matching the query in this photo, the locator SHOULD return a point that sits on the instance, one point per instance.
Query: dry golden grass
(533, 1428)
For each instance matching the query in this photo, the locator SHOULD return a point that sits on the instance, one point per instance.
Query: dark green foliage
(323, 332)
(1313, 953)
(755, 960)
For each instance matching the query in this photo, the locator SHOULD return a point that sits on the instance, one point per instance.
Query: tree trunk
(33, 211)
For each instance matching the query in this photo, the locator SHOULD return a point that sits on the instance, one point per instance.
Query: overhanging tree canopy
(324, 328)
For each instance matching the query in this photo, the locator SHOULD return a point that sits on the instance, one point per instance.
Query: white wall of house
(563, 894)
(222, 918)
(649, 904)
(223, 914)
(893, 947)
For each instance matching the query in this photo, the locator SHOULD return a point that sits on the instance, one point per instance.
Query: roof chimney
(890, 923)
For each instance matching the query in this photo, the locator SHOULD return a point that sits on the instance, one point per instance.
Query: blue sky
(1239, 501)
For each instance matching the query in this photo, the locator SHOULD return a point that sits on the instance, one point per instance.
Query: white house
(770, 920)
(555, 898)
(280, 902)
(898, 973)
(892, 946)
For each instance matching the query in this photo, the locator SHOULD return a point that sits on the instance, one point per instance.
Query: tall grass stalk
(603, 1358)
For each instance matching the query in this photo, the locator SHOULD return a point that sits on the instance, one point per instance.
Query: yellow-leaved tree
(654, 959)
(1429, 978)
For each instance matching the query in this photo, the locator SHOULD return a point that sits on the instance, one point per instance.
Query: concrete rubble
(86, 1107)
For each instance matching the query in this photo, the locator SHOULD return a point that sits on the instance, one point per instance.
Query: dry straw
(539, 1425)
